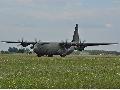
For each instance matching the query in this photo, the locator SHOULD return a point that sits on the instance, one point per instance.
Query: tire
(63, 55)
(50, 55)
(39, 55)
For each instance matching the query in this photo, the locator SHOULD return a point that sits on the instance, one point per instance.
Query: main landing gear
(50, 55)
(39, 55)
(62, 55)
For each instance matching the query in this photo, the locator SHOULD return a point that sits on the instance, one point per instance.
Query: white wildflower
(118, 74)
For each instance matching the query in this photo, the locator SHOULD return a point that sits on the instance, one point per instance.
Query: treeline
(85, 52)
(96, 52)
(102, 52)
(16, 50)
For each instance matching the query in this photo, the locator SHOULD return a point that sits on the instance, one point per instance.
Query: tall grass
(29, 71)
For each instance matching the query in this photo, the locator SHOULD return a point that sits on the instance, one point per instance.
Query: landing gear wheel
(63, 55)
(50, 55)
(39, 55)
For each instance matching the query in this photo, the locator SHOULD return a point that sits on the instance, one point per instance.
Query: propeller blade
(19, 40)
(84, 41)
(39, 41)
(80, 41)
(35, 40)
(22, 39)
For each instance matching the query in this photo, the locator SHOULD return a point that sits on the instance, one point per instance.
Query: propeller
(84, 41)
(35, 40)
(22, 40)
(22, 43)
(65, 43)
(80, 41)
(81, 45)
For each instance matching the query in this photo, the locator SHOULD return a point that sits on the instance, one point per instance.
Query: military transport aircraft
(58, 48)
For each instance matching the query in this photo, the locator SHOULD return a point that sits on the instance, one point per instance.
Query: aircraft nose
(35, 49)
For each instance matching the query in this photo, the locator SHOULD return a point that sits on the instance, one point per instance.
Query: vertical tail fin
(76, 35)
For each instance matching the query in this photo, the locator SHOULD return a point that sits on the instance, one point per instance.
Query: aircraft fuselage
(51, 48)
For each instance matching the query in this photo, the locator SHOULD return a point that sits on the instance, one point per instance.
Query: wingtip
(115, 43)
(3, 41)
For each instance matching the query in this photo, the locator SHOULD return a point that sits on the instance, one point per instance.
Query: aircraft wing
(10, 42)
(69, 44)
(94, 44)
(18, 42)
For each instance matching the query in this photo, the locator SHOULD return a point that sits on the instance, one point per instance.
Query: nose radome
(35, 49)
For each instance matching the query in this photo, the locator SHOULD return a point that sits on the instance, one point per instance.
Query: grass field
(29, 71)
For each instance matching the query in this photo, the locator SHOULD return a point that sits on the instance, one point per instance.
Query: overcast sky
(54, 20)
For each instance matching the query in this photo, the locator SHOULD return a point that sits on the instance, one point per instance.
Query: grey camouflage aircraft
(58, 48)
